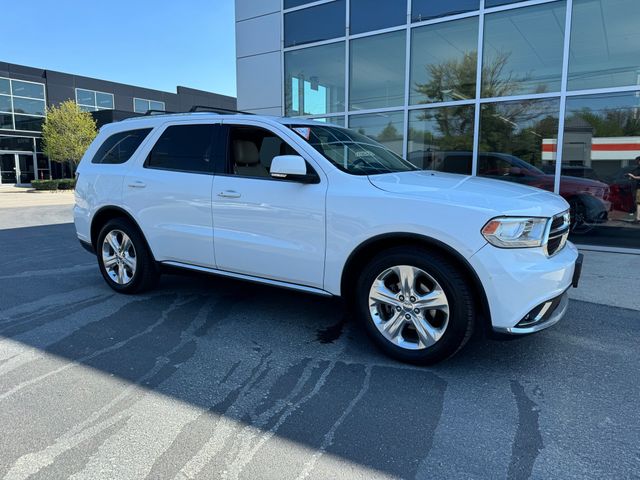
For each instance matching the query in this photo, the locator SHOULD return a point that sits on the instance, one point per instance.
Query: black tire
(457, 290)
(146, 274)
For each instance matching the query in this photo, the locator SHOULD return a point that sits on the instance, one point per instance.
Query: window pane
(104, 100)
(313, 24)
(601, 146)
(86, 108)
(605, 44)
(331, 120)
(511, 141)
(315, 80)
(426, 9)
(24, 144)
(296, 3)
(29, 106)
(442, 139)
(377, 71)
(119, 147)
(523, 50)
(85, 97)
(140, 106)
(386, 13)
(385, 128)
(156, 105)
(4, 86)
(497, 3)
(444, 61)
(26, 89)
(24, 122)
(184, 147)
(252, 150)
(5, 103)
(6, 121)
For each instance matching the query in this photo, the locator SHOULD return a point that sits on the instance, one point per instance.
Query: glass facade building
(481, 87)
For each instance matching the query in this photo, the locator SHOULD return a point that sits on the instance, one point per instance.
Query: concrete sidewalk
(19, 197)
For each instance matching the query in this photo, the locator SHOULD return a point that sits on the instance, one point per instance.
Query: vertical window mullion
(476, 113)
(563, 94)
(407, 84)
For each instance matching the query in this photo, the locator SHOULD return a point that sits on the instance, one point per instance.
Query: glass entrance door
(8, 173)
(25, 168)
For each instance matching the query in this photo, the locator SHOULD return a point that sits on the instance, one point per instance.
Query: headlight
(515, 232)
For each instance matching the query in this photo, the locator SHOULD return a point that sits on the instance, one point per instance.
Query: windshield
(351, 152)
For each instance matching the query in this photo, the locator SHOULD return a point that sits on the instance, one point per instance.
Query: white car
(422, 256)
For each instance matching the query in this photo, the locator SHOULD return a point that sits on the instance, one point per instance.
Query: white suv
(422, 255)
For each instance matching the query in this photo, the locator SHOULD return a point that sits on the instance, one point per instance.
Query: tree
(67, 132)
(389, 134)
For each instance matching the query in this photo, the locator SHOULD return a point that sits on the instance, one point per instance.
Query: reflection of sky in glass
(377, 71)
(531, 40)
(605, 44)
(434, 45)
(315, 101)
(321, 68)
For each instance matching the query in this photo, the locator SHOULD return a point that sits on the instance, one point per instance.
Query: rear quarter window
(119, 147)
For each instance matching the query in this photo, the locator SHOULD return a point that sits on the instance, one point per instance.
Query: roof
(152, 119)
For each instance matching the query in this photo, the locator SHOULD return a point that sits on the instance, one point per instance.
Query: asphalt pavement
(213, 378)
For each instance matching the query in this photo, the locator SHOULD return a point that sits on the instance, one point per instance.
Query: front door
(8, 173)
(26, 171)
(263, 226)
(170, 194)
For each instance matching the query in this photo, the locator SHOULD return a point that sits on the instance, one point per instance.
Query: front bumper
(526, 290)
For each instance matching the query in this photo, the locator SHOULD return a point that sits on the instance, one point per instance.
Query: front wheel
(416, 305)
(124, 258)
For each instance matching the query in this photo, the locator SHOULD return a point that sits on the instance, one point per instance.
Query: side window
(119, 147)
(185, 148)
(252, 149)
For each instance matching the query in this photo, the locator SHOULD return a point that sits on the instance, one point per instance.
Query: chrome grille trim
(557, 233)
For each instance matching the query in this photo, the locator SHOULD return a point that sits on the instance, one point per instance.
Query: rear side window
(185, 148)
(119, 147)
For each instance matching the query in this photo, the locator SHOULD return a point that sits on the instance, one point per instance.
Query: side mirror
(292, 167)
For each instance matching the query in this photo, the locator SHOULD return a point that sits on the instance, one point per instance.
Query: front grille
(558, 233)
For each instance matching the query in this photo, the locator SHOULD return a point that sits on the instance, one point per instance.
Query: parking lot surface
(213, 378)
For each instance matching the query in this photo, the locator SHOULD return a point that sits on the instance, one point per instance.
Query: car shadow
(289, 365)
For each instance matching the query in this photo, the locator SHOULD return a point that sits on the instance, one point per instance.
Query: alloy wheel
(119, 257)
(409, 307)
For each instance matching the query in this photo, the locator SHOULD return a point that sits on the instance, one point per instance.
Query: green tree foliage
(516, 127)
(623, 122)
(389, 133)
(67, 132)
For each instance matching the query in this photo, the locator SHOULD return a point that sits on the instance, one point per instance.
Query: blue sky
(156, 44)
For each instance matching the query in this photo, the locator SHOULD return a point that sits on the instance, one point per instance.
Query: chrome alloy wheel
(409, 307)
(119, 257)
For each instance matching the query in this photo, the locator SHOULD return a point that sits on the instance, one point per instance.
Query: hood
(496, 197)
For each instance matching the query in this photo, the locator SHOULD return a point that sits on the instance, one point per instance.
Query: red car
(589, 199)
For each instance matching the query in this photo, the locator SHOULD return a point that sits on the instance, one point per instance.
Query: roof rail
(226, 111)
(157, 112)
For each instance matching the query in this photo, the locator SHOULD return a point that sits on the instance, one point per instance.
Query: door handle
(137, 184)
(229, 194)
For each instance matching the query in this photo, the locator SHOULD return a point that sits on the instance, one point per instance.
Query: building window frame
(95, 105)
(148, 101)
(11, 97)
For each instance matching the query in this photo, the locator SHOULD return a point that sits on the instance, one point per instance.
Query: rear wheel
(415, 304)
(124, 258)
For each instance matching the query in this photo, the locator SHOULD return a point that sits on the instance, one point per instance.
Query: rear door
(169, 193)
(267, 227)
